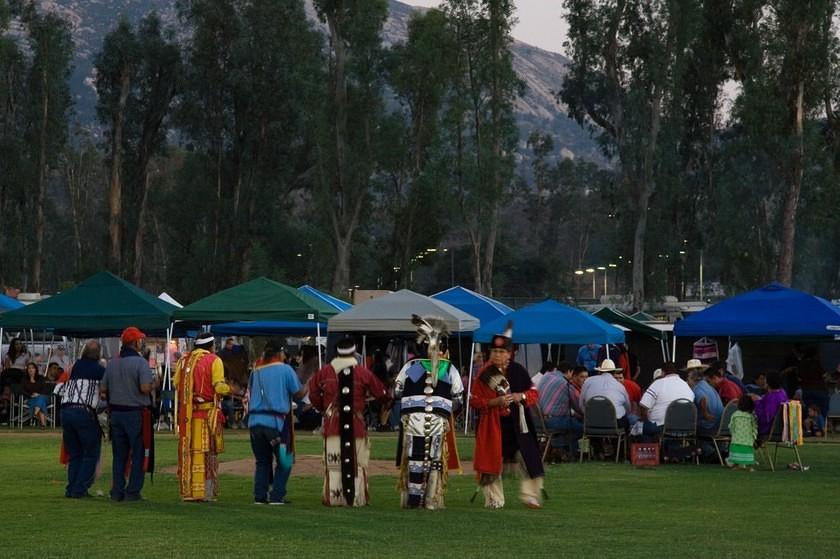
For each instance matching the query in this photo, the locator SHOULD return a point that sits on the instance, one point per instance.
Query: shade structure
(392, 313)
(280, 327)
(620, 319)
(334, 302)
(170, 299)
(551, 322)
(773, 312)
(642, 316)
(480, 306)
(101, 305)
(9, 304)
(258, 299)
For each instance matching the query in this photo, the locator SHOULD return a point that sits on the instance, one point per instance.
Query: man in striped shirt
(560, 405)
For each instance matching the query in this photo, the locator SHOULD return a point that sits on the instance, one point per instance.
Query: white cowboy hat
(608, 366)
(695, 364)
(658, 373)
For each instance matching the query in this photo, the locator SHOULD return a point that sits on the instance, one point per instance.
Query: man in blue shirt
(588, 356)
(708, 402)
(272, 387)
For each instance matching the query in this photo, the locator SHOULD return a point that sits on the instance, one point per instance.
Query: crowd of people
(344, 397)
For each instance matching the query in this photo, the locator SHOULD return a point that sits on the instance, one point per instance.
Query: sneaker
(280, 502)
(261, 502)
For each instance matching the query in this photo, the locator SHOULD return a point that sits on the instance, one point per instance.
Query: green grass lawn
(595, 510)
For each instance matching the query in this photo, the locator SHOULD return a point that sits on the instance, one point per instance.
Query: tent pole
(674, 352)
(469, 389)
(460, 355)
(318, 343)
(364, 350)
(662, 347)
(607, 346)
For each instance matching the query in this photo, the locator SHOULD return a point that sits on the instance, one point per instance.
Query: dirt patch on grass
(306, 465)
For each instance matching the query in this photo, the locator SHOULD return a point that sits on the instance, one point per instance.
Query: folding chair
(833, 412)
(680, 425)
(599, 422)
(776, 437)
(165, 406)
(723, 435)
(544, 435)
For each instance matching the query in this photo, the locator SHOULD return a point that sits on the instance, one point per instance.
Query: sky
(539, 24)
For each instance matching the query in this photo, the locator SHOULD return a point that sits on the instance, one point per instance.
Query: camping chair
(544, 435)
(599, 422)
(166, 405)
(833, 412)
(723, 435)
(680, 424)
(776, 437)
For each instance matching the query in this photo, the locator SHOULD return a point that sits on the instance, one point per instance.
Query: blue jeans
(127, 439)
(651, 431)
(82, 441)
(572, 426)
(265, 455)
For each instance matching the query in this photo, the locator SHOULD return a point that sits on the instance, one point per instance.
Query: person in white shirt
(608, 384)
(659, 396)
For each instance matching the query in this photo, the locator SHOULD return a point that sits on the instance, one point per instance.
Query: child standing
(814, 424)
(744, 429)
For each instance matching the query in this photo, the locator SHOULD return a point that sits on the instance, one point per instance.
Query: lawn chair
(544, 435)
(833, 412)
(680, 425)
(776, 437)
(599, 422)
(723, 435)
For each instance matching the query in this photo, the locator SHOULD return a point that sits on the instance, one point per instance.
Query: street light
(592, 271)
(604, 269)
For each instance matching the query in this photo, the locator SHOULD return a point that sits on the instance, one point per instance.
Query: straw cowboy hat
(695, 365)
(608, 366)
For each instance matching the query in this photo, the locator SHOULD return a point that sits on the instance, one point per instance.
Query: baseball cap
(131, 334)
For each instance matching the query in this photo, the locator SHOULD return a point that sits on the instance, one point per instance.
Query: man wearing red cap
(200, 380)
(127, 385)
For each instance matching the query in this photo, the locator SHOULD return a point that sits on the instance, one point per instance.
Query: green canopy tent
(642, 316)
(625, 321)
(258, 299)
(102, 305)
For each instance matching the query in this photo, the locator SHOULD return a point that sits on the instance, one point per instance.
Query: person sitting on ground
(708, 402)
(758, 386)
(814, 424)
(727, 389)
(560, 411)
(658, 397)
(609, 385)
(744, 430)
(767, 406)
(34, 387)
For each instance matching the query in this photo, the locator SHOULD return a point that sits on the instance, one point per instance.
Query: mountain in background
(541, 70)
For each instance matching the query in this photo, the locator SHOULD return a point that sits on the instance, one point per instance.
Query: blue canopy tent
(773, 312)
(483, 308)
(9, 304)
(551, 322)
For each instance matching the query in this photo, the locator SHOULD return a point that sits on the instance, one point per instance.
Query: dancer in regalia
(200, 380)
(340, 391)
(505, 434)
(428, 388)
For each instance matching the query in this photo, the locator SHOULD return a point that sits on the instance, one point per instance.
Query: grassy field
(595, 510)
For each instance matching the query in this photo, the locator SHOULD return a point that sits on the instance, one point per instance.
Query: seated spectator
(634, 391)
(812, 381)
(814, 424)
(14, 362)
(61, 358)
(609, 385)
(727, 389)
(708, 402)
(767, 406)
(758, 386)
(658, 397)
(54, 371)
(34, 388)
(559, 403)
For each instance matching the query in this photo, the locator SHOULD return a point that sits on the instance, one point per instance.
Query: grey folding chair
(599, 422)
(833, 412)
(680, 424)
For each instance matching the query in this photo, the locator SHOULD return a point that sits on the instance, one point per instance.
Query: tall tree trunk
(73, 176)
(41, 187)
(115, 190)
(141, 232)
(639, 251)
(797, 161)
